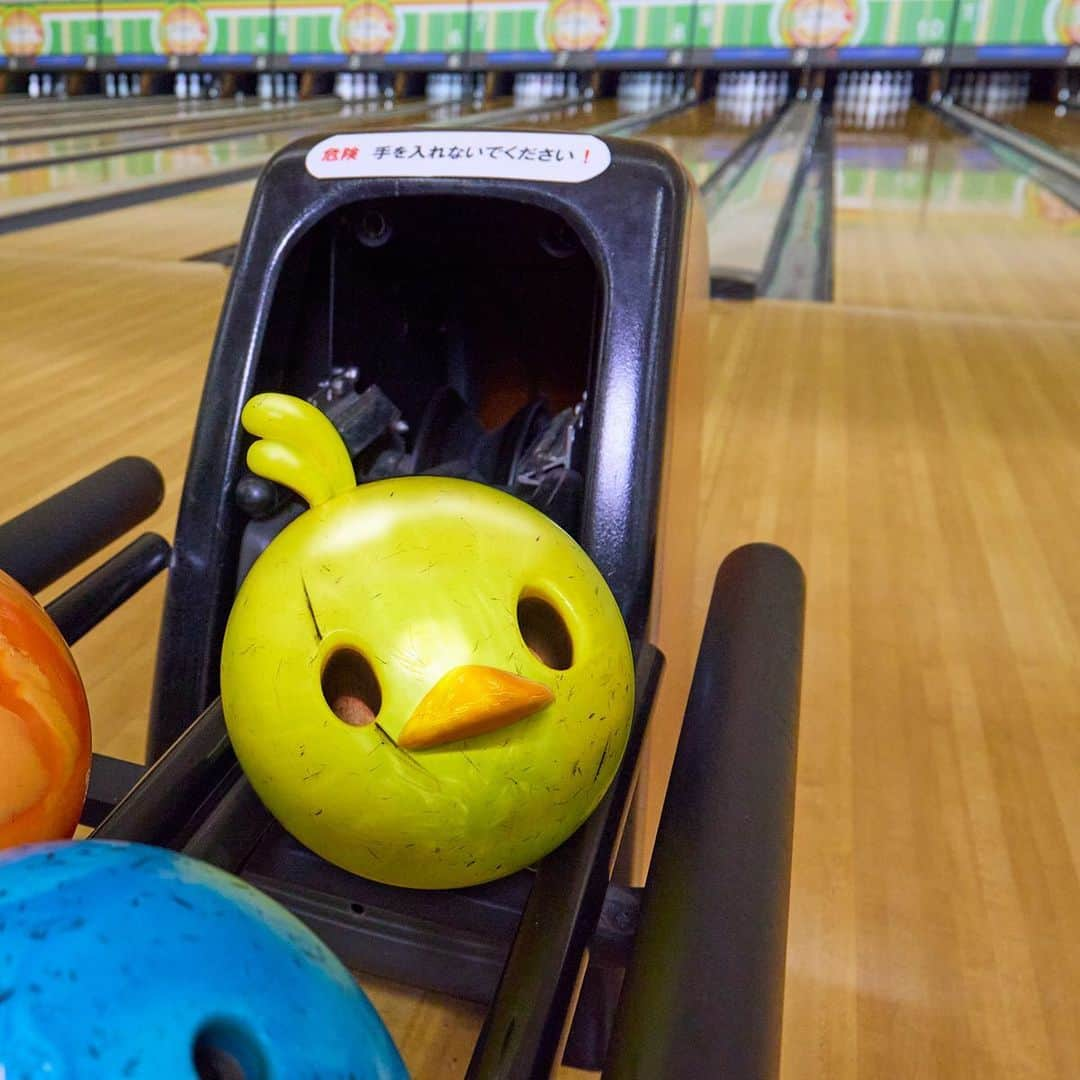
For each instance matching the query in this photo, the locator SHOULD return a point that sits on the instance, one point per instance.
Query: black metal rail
(523, 1032)
(77, 611)
(704, 992)
(166, 802)
(50, 539)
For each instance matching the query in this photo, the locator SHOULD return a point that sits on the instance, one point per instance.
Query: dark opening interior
(442, 335)
(496, 300)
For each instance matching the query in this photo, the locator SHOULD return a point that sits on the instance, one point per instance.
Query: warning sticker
(510, 155)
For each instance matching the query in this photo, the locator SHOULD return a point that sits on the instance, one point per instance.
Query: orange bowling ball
(44, 724)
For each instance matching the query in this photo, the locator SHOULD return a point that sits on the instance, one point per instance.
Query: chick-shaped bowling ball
(125, 961)
(44, 724)
(425, 679)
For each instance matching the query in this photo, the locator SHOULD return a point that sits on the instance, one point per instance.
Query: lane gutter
(1039, 160)
(782, 228)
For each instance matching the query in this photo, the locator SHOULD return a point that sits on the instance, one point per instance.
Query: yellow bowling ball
(426, 680)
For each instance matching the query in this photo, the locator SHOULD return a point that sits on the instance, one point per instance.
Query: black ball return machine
(493, 305)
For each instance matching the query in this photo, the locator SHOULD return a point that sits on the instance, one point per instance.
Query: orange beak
(471, 700)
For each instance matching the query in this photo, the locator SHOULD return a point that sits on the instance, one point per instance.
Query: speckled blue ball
(133, 963)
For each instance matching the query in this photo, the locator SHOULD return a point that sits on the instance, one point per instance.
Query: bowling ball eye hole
(544, 631)
(351, 687)
(224, 1050)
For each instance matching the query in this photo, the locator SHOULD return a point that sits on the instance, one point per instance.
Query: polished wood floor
(931, 222)
(920, 459)
(923, 471)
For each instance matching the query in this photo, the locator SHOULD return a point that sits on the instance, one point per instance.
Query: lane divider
(1053, 170)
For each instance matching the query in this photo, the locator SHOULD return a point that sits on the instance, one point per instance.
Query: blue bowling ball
(133, 963)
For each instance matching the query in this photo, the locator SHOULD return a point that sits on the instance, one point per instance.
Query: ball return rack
(524, 333)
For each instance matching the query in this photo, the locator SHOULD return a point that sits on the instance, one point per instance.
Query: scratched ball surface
(125, 961)
(44, 724)
(427, 681)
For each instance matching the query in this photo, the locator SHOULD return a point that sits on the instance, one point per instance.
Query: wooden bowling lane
(57, 185)
(570, 118)
(107, 361)
(1040, 119)
(46, 187)
(922, 468)
(167, 230)
(929, 220)
(700, 137)
(695, 121)
(13, 107)
(123, 117)
(45, 149)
